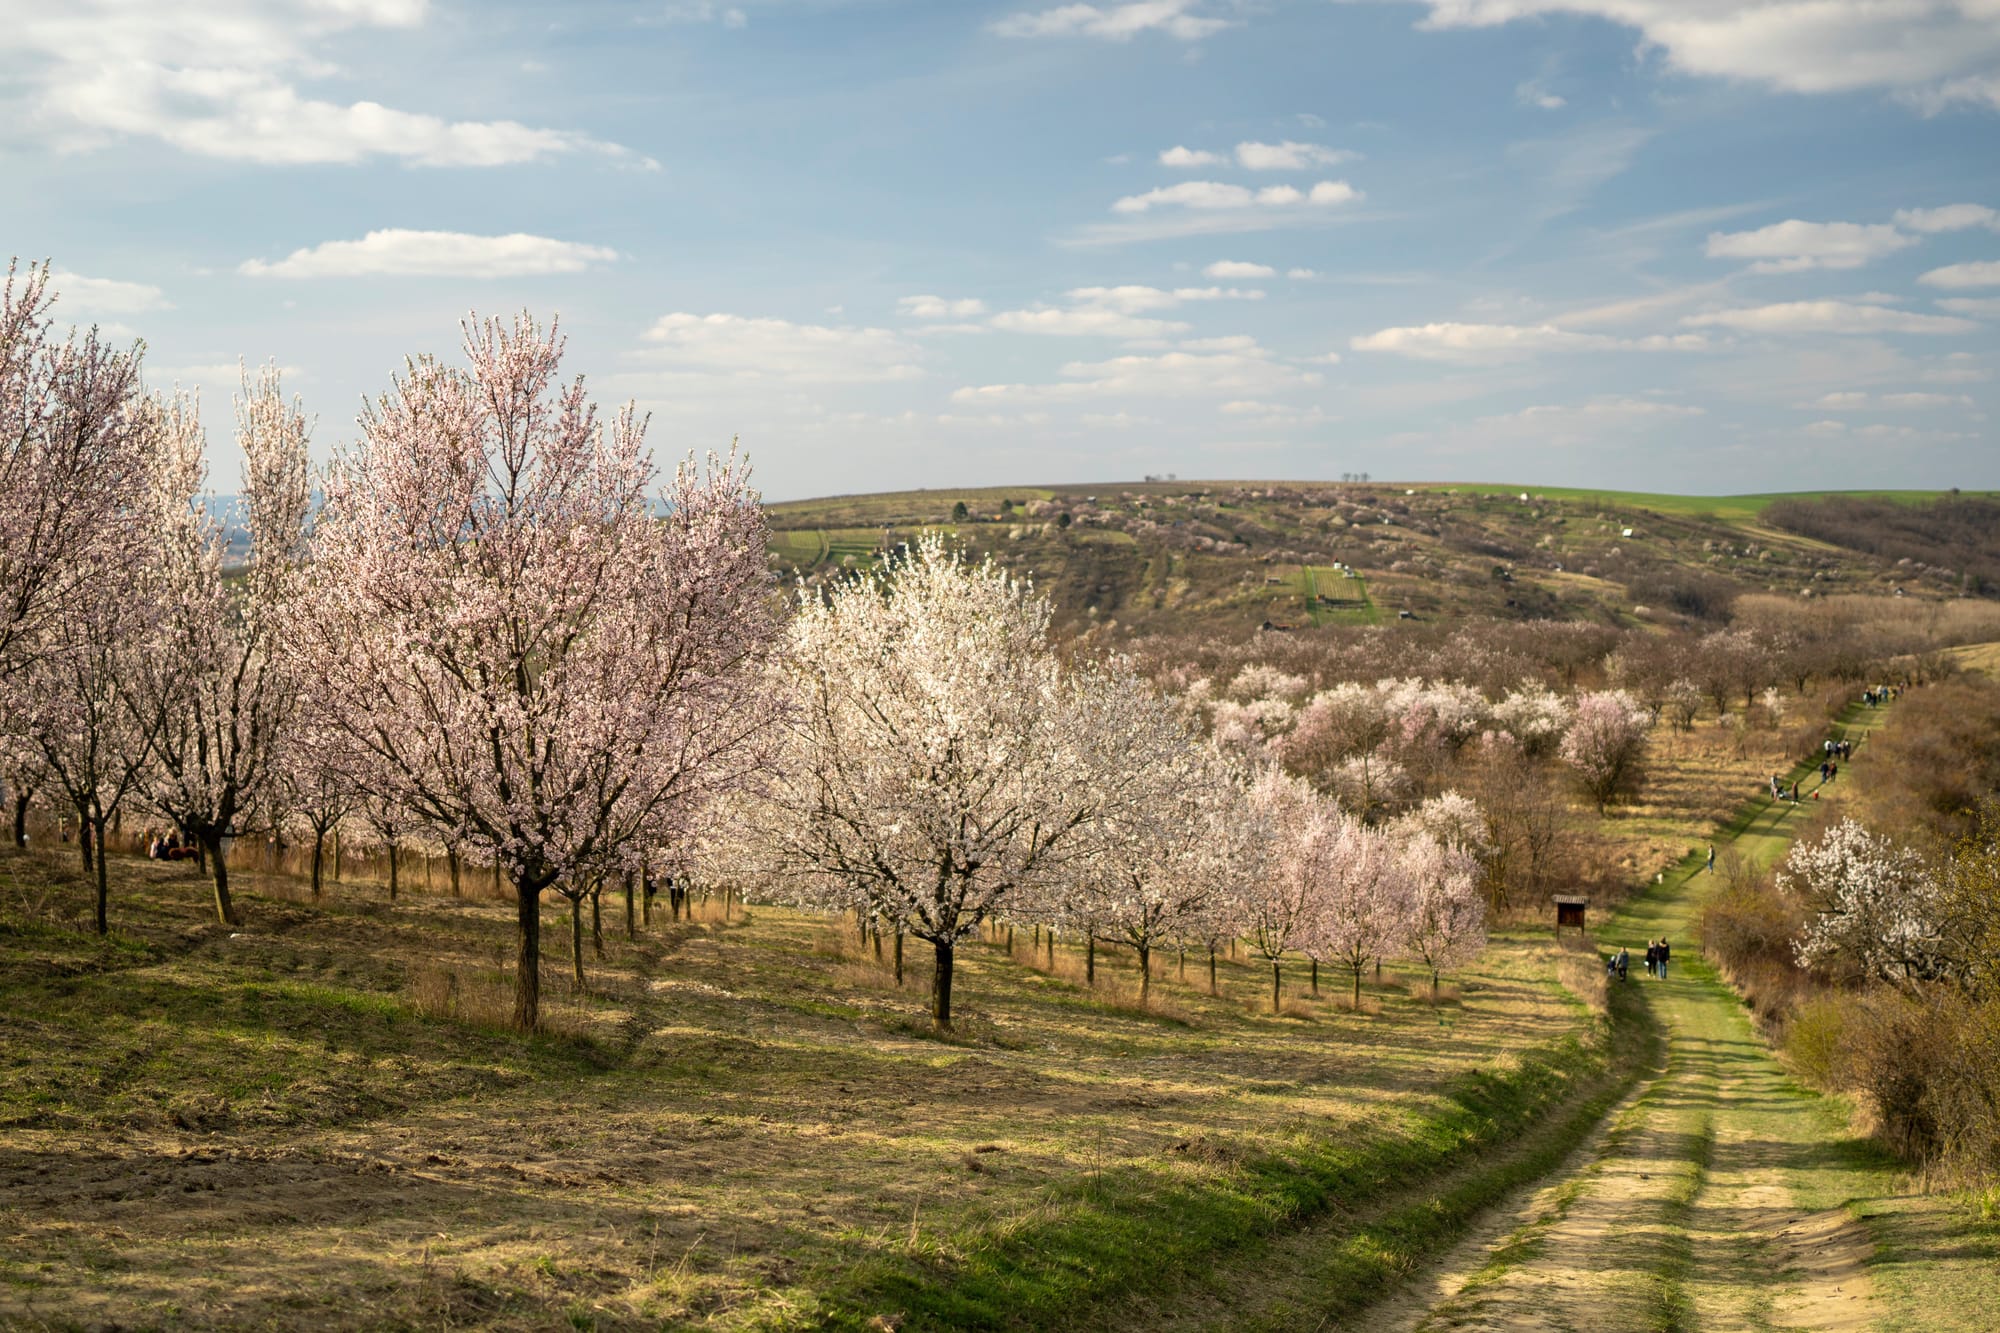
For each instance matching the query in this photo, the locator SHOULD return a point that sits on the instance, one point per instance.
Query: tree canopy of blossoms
(72, 456)
(1280, 901)
(1360, 905)
(218, 683)
(1444, 923)
(1605, 744)
(1157, 863)
(514, 649)
(1875, 906)
(933, 764)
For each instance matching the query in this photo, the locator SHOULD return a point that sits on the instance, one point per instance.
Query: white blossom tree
(1875, 906)
(932, 772)
(529, 661)
(1359, 913)
(1280, 898)
(1444, 915)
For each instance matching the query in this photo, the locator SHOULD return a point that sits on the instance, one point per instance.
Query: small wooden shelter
(1569, 912)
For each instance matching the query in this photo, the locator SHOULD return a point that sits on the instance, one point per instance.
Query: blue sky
(1684, 245)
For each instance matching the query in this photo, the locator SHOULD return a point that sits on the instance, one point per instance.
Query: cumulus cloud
(222, 79)
(738, 347)
(1180, 19)
(1178, 156)
(1792, 245)
(1951, 217)
(1301, 273)
(1608, 408)
(1854, 401)
(1533, 93)
(106, 296)
(433, 254)
(1985, 273)
(939, 307)
(1289, 156)
(1505, 342)
(1238, 268)
(1975, 307)
(1933, 51)
(1134, 298)
(1222, 196)
(1828, 317)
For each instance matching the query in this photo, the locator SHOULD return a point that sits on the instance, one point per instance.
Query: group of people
(1878, 694)
(1832, 752)
(170, 846)
(1619, 965)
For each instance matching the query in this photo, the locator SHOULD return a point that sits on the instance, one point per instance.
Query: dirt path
(1709, 1198)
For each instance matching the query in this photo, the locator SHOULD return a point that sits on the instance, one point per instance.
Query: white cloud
(1221, 196)
(1532, 93)
(1289, 156)
(107, 296)
(1238, 268)
(433, 254)
(1476, 343)
(1828, 317)
(705, 11)
(1791, 246)
(1118, 23)
(1166, 375)
(1855, 401)
(1985, 273)
(1952, 217)
(749, 349)
(939, 307)
(1301, 273)
(1091, 321)
(1977, 307)
(1959, 367)
(1177, 156)
(1934, 51)
(1233, 342)
(222, 78)
(1133, 299)
(1608, 408)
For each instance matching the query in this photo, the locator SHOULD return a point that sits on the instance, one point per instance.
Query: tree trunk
(336, 855)
(899, 957)
(218, 867)
(392, 872)
(878, 941)
(528, 956)
(1315, 967)
(21, 800)
(1274, 985)
(319, 861)
(1434, 985)
(1090, 961)
(597, 917)
(1211, 969)
(576, 938)
(1357, 990)
(454, 866)
(1183, 965)
(103, 881)
(1145, 974)
(941, 985)
(631, 931)
(83, 839)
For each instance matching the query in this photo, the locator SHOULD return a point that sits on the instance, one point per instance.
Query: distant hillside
(1232, 556)
(1955, 537)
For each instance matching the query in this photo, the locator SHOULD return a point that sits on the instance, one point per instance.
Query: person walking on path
(1665, 953)
(1711, 858)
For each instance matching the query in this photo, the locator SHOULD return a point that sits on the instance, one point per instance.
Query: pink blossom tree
(1360, 911)
(1300, 831)
(1445, 916)
(1606, 744)
(529, 662)
(72, 456)
(218, 684)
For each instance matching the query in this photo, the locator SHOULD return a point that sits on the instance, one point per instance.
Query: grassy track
(1723, 1194)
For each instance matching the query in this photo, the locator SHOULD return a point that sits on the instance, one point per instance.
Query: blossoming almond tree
(1156, 866)
(1360, 911)
(219, 686)
(1444, 915)
(1605, 744)
(930, 772)
(71, 455)
(1281, 889)
(530, 663)
(1876, 907)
